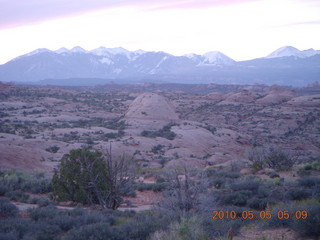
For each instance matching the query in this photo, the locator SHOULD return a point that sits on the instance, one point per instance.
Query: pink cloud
(26, 12)
(17, 13)
(192, 4)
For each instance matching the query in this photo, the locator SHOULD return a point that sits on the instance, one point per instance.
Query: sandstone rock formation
(151, 106)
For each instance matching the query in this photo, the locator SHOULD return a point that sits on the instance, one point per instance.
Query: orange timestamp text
(259, 214)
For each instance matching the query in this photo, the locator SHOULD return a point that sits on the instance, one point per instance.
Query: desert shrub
(17, 195)
(307, 167)
(44, 213)
(257, 203)
(309, 182)
(316, 192)
(128, 191)
(44, 231)
(15, 180)
(238, 198)
(271, 157)
(273, 175)
(187, 229)
(65, 222)
(15, 228)
(316, 164)
(218, 182)
(156, 187)
(7, 209)
(144, 224)
(248, 185)
(39, 186)
(144, 186)
(41, 201)
(279, 159)
(256, 156)
(211, 128)
(164, 132)
(210, 172)
(232, 175)
(298, 194)
(274, 221)
(96, 231)
(157, 149)
(3, 190)
(53, 149)
(9, 235)
(309, 227)
(216, 228)
(120, 133)
(159, 187)
(303, 173)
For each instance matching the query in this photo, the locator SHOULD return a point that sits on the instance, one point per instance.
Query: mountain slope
(289, 51)
(285, 66)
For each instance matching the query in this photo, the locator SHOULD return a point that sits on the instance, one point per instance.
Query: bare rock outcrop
(151, 106)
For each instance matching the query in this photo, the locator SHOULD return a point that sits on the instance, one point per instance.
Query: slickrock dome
(151, 106)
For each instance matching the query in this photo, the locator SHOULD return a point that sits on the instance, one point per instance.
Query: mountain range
(77, 66)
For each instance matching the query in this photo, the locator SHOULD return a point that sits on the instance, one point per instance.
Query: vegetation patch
(164, 132)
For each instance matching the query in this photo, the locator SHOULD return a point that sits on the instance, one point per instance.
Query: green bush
(271, 157)
(3, 190)
(16, 228)
(17, 195)
(157, 149)
(273, 175)
(248, 185)
(187, 229)
(275, 221)
(156, 187)
(41, 201)
(309, 227)
(142, 225)
(309, 182)
(219, 227)
(53, 149)
(218, 182)
(303, 173)
(44, 213)
(7, 209)
(298, 194)
(232, 175)
(238, 198)
(15, 180)
(96, 231)
(164, 132)
(257, 203)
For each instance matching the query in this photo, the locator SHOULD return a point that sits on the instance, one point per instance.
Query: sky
(241, 29)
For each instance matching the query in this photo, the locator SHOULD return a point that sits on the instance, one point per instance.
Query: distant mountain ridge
(289, 51)
(285, 66)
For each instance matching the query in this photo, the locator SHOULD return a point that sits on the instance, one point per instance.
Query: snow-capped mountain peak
(286, 51)
(39, 50)
(139, 51)
(289, 51)
(190, 55)
(216, 58)
(102, 51)
(310, 52)
(62, 50)
(78, 49)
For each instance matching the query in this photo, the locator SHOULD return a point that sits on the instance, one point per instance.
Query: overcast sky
(241, 29)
